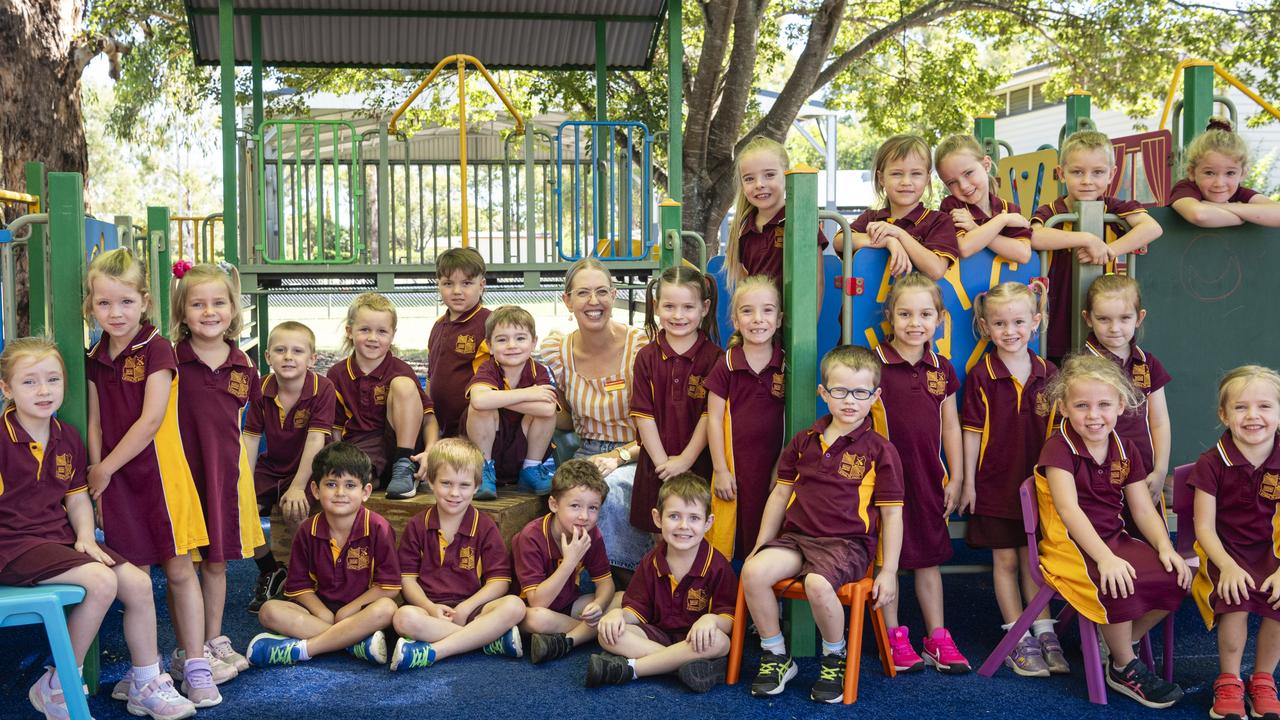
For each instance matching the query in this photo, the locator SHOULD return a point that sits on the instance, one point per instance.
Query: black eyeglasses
(840, 393)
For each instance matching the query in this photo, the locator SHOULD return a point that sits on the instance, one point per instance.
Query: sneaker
(1026, 659)
(941, 652)
(905, 659)
(160, 700)
(198, 684)
(608, 669)
(269, 586)
(222, 672)
(403, 485)
(221, 650)
(537, 478)
(1228, 698)
(48, 699)
(488, 482)
(411, 654)
(829, 687)
(371, 649)
(121, 689)
(1262, 697)
(774, 673)
(549, 646)
(1051, 650)
(1139, 683)
(270, 649)
(703, 674)
(508, 645)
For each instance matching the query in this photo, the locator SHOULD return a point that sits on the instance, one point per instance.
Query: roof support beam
(227, 34)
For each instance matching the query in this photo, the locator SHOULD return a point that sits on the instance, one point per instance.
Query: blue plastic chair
(46, 604)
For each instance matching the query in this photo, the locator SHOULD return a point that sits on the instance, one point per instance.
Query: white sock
(145, 674)
(529, 463)
(775, 645)
(302, 650)
(631, 663)
(1040, 627)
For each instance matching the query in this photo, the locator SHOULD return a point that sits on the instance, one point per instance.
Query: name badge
(612, 386)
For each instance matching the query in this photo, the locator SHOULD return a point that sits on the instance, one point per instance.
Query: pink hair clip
(181, 267)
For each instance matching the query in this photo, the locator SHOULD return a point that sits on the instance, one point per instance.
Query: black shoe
(548, 646)
(1139, 683)
(702, 675)
(829, 687)
(607, 669)
(774, 672)
(267, 587)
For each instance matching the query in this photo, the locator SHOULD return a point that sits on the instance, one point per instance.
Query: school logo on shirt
(379, 394)
(697, 390)
(62, 468)
(1119, 471)
(467, 558)
(1270, 489)
(937, 382)
(696, 600)
(301, 418)
(1042, 404)
(1142, 376)
(853, 467)
(778, 390)
(778, 234)
(135, 369)
(358, 558)
(466, 345)
(238, 385)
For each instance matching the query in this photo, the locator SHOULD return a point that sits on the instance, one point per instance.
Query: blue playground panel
(99, 237)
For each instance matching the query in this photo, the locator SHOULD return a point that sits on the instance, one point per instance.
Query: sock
(1007, 626)
(570, 641)
(302, 650)
(145, 674)
(267, 564)
(529, 463)
(1040, 627)
(631, 663)
(402, 452)
(836, 648)
(775, 644)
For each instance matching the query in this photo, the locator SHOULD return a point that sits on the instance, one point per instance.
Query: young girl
(381, 406)
(1239, 482)
(216, 381)
(1005, 421)
(146, 496)
(1211, 195)
(981, 219)
(919, 404)
(744, 409)
(916, 238)
(668, 397)
(1085, 475)
(43, 543)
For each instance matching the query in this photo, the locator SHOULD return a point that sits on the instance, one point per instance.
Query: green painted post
(158, 256)
(675, 116)
(37, 304)
(1197, 100)
(668, 220)
(227, 61)
(1079, 105)
(255, 42)
(67, 263)
(984, 128)
(263, 324)
(599, 136)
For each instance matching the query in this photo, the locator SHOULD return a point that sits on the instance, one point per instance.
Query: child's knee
(719, 645)
(1005, 561)
(383, 610)
(511, 608)
(133, 585)
(271, 613)
(98, 581)
(818, 589)
(481, 419)
(404, 390)
(402, 618)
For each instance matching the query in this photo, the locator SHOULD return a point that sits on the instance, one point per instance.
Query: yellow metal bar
(462, 140)
(1220, 72)
(32, 202)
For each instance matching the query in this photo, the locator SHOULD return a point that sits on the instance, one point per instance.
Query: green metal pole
(668, 221)
(675, 116)
(255, 41)
(1078, 107)
(602, 72)
(158, 249)
(67, 261)
(37, 304)
(260, 303)
(599, 160)
(984, 128)
(1197, 101)
(227, 61)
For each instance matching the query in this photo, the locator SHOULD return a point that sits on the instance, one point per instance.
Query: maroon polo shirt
(1058, 338)
(936, 231)
(1148, 375)
(536, 554)
(34, 482)
(760, 251)
(1187, 188)
(362, 399)
(1099, 487)
(454, 350)
(287, 432)
(1246, 496)
(998, 205)
(450, 573)
(339, 575)
(492, 375)
(656, 599)
(1013, 420)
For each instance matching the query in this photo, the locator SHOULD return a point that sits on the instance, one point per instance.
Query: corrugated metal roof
(533, 34)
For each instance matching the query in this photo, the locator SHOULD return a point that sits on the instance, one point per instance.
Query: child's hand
(459, 614)
(98, 479)
(1094, 250)
(542, 393)
(724, 485)
(440, 612)
(421, 461)
(674, 465)
(899, 260)
(1015, 220)
(963, 219)
(1173, 562)
(1234, 584)
(1155, 485)
(1117, 576)
(877, 236)
(294, 505)
(575, 548)
(1271, 586)
(591, 613)
(604, 462)
(885, 589)
(89, 546)
(702, 635)
(611, 626)
(968, 499)
(951, 497)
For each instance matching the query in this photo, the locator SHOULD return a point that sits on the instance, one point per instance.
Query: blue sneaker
(537, 478)
(508, 645)
(270, 649)
(411, 654)
(371, 649)
(488, 482)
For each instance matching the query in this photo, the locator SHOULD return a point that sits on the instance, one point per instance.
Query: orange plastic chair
(856, 596)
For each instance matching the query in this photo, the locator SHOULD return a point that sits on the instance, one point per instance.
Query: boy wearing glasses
(847, 489)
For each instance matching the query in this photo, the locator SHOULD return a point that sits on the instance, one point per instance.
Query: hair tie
(1217, 123)
(225, 266)
(1037, 285)
(181, 267)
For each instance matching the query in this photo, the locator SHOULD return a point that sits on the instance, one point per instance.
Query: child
(982, 220)
(1211, 194)
(457, 346)
(919, 403)
(41, 542)
(1239, 573)
(678, 609)
(300, 406)
(744, 411)
(668, 397)
(1087, 166)
(836, 481)
(138, 475)
(381, 405)
(552, 551)
(513, 406)
(1084, 476)
(455, 570)
(1005, 421)
(343, 572)
(915, 237)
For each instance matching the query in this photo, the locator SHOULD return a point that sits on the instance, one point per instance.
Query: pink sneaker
(905, 659)
(941, 652)
(198, 685)
(220, 648)
(121, 689)
(48, 699)
(160, 700)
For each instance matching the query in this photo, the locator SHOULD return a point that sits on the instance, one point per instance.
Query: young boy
(455, 570)
(456, 346)
(343, 573)
(839, 488)
(678, 610)
(1087, 167)
(300, 406)
(551, 552)
(513, 406)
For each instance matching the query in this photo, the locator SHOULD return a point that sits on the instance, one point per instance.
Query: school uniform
(911, 405)
(1186, 188)
(286, 432)
(760, 250)
(455, 350)
(150, 511)
(1100, 495)
(340, 574)
(536, 554)
(669, 389)
(510, 446)
(450, 572)
(753, 434)
(1148, 375)
(667, 609)
(936, 231)
(361, 412)
(980, 216)
(1058, 337)
(1013, 419)
(833, 518)
(1246, 522)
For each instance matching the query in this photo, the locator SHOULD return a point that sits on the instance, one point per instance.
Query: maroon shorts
(379, 445)
(660, 636)
(994, 533)
(839, 560)
(510, 446)
(271, 487)
(46, 561)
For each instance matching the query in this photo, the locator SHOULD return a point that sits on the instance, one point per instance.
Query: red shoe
(1262, 697)
(1228, 698)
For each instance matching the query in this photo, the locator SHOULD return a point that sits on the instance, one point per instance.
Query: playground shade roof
(528, 34)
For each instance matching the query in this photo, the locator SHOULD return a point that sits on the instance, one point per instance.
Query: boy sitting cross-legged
(678, 610)
(343, 573)
(551, 552)
(455, 570)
